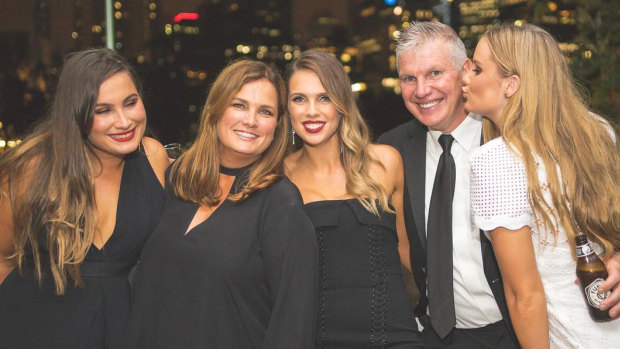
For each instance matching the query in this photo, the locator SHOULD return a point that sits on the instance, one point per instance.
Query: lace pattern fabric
(499, 199)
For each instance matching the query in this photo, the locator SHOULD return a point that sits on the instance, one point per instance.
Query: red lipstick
(313, 126)
(123, 136)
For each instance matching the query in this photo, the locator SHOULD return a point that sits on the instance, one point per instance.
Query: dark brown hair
(50, 174)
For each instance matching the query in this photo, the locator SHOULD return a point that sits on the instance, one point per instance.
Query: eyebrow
(309, 94)
(246, 102)
(124, 100)
(427, 70)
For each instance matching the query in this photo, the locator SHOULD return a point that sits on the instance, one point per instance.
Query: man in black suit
(431, 59)
(462, 303)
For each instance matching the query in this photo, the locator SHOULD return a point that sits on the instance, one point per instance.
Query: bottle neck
(584, 250)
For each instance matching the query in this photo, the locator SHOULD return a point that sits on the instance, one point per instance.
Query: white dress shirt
(474, 303)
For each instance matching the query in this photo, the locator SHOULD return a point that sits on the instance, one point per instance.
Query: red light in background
(185, 16)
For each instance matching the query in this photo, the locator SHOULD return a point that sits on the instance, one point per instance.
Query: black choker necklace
(234, 171)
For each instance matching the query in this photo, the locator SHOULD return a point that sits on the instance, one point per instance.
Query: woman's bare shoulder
(388, 156)
(157, 156)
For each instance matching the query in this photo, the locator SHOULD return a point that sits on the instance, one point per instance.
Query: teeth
(314, 125)
(121, 136)
(246, 134)
(428, 105)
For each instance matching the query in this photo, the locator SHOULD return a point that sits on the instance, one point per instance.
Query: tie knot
(445, 140)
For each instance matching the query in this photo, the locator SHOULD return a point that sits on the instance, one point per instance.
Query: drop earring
(341, 145)
(293, 134)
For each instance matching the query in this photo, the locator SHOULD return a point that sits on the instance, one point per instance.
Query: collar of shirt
(466, 135)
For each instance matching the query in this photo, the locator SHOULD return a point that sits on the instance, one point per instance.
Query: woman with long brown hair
(353, 192)
(233, 262)
(80, 197)
(551, 174)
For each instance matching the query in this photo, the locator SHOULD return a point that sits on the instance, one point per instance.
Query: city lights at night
(179, 46)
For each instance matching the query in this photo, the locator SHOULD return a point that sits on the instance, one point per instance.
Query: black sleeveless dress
(362, 299)
(96, 315)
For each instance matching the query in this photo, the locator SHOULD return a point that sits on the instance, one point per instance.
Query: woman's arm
(6, 231)
(523, 286)
(157, 156)
(395, 186)
(398, 178)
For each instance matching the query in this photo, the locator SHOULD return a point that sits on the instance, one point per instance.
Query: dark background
(177, 57)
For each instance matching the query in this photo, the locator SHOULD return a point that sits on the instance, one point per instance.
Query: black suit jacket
(410, 140)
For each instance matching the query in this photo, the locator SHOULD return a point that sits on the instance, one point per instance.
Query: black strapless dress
(96, 315)
(363, 301)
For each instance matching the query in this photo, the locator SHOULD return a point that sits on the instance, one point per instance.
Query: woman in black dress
(233, 261)
(353, 193)
(80, 197)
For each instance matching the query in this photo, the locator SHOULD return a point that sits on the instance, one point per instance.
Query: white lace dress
(499, 199)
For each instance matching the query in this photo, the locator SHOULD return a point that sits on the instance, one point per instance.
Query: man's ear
(466, 66)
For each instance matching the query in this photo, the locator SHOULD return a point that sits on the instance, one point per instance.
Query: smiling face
(314, 116)
(483, 87)
(247, 125)
(119, 118)
(431, 86)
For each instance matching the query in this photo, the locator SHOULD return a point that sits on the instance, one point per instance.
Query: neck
(103, 164)
(495, 118)
(323, 157)
(462, 115)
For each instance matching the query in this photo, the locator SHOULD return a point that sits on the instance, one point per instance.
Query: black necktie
(439, 243)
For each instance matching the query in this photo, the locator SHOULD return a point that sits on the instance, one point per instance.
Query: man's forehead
(424, 61)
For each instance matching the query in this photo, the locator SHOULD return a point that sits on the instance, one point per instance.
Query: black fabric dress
(96, 315)
(244, 278)
(363, 302)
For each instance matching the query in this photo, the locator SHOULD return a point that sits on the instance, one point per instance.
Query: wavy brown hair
(353, 131)
(50, 174)
(195, 174)
(547, 117)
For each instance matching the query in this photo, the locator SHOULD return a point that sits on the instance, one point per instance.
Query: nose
(423, 88)
(122, 121)
(312, 109)
(250, 118)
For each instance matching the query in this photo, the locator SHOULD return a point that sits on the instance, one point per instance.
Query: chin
(248, 153)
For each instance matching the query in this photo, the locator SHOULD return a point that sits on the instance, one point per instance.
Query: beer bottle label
(584, 250)
(593, 296)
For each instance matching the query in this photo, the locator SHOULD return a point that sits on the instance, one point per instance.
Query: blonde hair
(548, 118)
(195, 174)
(353, 131)
(50, 174)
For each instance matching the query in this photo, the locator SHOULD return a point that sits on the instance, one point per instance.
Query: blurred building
(558, 17)
(135, 23)
(192, 48)
(180, 45)
(474, 17)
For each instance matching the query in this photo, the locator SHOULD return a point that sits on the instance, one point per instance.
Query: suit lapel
(414, 159)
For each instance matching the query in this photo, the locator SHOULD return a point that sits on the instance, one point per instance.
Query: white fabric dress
(499, 199)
